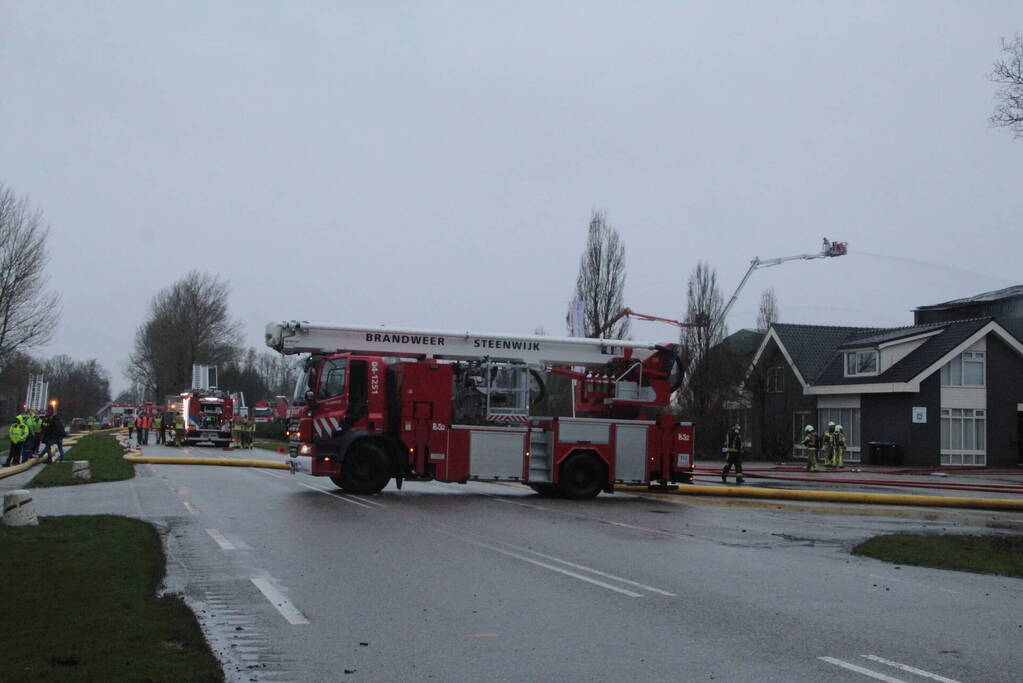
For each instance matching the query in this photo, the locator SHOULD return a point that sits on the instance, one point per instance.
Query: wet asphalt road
(294, 580)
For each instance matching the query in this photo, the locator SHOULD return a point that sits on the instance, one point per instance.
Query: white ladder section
(303, 337)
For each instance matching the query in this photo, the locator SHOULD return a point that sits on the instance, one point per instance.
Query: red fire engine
(205, 417)
(378, 403)
(265, 412)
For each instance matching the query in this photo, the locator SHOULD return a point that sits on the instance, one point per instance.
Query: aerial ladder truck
(378, 403)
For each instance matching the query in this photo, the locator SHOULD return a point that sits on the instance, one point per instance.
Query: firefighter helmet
(838, 428)
(808, 428)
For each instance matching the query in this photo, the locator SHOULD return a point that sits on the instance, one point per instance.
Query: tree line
(190, 323)
(29, 314)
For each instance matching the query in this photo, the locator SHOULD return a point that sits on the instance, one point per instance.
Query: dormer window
(859, 363)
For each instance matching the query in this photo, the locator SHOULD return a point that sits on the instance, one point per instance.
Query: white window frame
(849, 418)
(776, 379)
(953, 373)
(852, 360)
(953, 419)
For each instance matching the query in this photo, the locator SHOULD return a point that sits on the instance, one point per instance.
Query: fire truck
(376, 403)
(266, 412)
(205, 417)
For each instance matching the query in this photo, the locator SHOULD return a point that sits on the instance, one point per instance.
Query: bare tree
(189, 322)
(704, 305)
(28, 312)
(705, 386)
(80, 387)
(600, 285)
(1008, 74)
(768, 314)
(278, 372)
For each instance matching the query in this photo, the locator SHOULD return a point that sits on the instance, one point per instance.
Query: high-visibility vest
(18, 432)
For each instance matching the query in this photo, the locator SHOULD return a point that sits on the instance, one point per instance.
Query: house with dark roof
(948, 391)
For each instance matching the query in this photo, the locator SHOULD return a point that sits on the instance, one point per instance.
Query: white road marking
(530, 560)
(619, 579)
(280, 603)
(335, 495)
(591, 517)
(191, 508)
(861, 670)
(220, 539)
(909, 669)
(348, 498)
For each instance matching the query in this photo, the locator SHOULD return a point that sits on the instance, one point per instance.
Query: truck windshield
(301, 386)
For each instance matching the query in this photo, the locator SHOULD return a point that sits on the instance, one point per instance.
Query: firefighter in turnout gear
(733, 454)
(17, 433)
(840, 444)
(829, 445)
(812, 443)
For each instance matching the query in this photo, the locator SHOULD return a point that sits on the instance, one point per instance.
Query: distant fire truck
(206, 416)
(376, 404)
(266, 412)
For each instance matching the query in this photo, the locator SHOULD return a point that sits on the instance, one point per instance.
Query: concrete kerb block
(19, 510)
(80, 470)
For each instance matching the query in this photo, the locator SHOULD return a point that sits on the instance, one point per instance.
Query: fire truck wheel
(583, 476)
(366, 469)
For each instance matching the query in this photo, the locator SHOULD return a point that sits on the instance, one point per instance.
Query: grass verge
(105, 463)
(987, 554)
(271, 445)
(79, 601)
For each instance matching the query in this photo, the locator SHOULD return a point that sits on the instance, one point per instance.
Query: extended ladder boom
(303, 337)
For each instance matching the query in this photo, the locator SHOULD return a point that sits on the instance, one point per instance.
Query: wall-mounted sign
(919, 415)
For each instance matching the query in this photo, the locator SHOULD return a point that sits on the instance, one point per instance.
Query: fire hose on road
(134, 455)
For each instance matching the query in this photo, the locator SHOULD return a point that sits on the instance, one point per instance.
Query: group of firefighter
(833, 442)
(29, 432)
(242, 432)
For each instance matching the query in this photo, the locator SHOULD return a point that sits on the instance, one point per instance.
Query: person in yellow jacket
(17, 434)
(733, 454)
(35, 429)
(250, 431)
(839, 446)
(812, 443)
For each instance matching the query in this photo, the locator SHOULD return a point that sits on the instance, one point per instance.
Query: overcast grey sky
(435, 164)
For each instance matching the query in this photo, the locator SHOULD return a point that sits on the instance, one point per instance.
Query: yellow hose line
(268, 464)
(15, 469)
(839, 497)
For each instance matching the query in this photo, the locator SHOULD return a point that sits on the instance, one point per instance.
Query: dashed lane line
(191, 508)
(909, 669)
(870, 673)
(545, 565)
(220, 539)
(362, 502)
(584, 568)
(280, 603)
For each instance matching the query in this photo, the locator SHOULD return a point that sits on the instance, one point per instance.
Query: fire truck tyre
(583, 477)
(366, 469)
(545, 490)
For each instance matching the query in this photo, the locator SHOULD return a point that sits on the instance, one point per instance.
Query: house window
(799, 421)
(963, 436)
(849, 418)
(776, 380)
(860, 363)
(965, 370)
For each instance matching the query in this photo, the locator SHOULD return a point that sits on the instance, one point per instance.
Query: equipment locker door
(630, 453)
